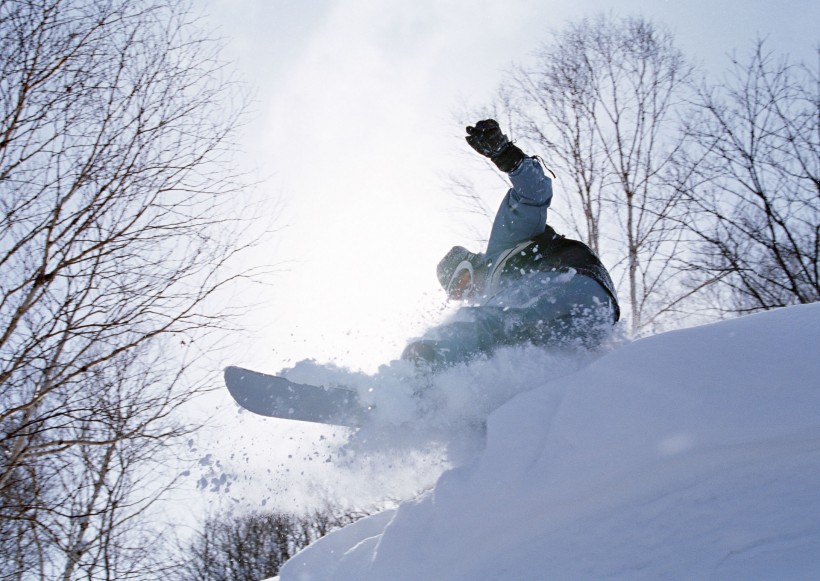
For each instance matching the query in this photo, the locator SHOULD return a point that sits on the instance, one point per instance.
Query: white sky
(355, 124)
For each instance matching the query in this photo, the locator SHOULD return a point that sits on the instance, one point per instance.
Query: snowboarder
(531, 285)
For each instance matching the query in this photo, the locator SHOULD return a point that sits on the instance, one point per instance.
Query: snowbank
(693, 454)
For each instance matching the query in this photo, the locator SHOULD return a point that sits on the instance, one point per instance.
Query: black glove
(488, 140)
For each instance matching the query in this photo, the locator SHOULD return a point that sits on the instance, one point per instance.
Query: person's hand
(487, 139)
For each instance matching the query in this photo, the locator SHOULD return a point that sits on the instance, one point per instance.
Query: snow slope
(690, 455)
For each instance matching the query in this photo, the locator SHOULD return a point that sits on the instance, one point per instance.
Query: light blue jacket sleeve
(523, 211)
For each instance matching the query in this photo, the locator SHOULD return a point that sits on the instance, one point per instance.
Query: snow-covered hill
(689, 455)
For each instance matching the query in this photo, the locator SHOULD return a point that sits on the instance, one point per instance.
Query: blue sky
(355, 131)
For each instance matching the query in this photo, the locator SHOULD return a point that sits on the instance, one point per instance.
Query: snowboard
(278, 397)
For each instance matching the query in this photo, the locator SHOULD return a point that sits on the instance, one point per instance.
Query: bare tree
(254, 546)
(752, 172)
(600, 102)
(115, 184)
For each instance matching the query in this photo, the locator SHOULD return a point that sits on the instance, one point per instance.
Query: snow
(689, 455)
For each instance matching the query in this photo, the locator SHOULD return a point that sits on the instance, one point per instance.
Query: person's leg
(476, 331)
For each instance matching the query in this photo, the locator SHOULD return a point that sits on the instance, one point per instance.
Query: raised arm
(523, 211)
(522, 214)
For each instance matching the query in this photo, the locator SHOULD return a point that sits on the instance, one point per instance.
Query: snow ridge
(692, 454)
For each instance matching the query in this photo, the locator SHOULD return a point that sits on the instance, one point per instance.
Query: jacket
(546, 253)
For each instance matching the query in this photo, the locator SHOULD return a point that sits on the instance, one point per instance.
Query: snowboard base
(277, 397)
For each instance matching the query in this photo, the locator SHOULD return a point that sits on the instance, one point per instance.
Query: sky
(357, 124)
